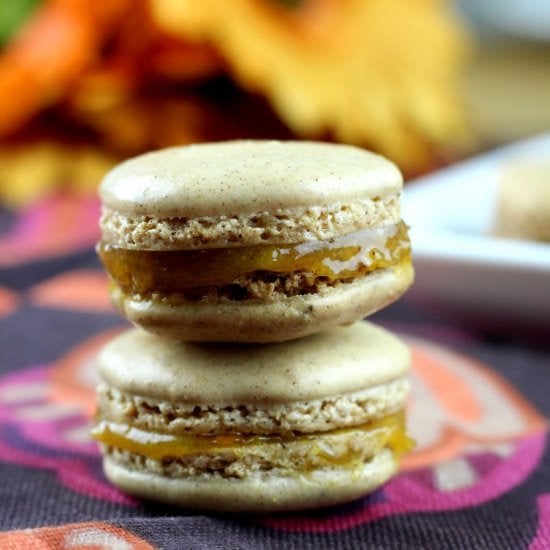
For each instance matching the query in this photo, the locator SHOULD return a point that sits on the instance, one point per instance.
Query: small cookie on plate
(523, 210)
(235, 427)
(253, 241)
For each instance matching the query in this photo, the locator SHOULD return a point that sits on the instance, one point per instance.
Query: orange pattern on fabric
(459, 402)
(76, 536)
(74, 375)
(459, 405)
(8, 301)
(81, 290)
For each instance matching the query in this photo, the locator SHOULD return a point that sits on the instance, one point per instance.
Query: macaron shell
(264, 492)
(338, 361)
(273, 321)
(235, 177)
(328, 413)
(291, 225)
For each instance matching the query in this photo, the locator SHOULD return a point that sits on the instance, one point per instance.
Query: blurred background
(424, 82)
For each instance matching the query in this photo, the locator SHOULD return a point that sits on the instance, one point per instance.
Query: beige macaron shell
(318, 415)
(268, 492)
(273, 321)
(523, 210)
(338, 361)
(236, 177)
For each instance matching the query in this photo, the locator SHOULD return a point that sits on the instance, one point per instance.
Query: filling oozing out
(143, 272)
(388, 432)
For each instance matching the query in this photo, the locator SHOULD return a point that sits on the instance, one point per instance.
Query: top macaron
(253, 241)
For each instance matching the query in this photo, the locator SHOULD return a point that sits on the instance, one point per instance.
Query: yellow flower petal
(381, 73)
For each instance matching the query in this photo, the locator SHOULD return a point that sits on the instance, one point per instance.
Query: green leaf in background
(12, 14)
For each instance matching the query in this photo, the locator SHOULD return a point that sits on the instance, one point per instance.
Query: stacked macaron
(241, 261)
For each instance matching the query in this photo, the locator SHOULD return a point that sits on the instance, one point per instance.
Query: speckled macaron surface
(253, 241)
(292, 425)
(243, 177)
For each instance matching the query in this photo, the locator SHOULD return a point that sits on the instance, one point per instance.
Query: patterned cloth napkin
(479, 477)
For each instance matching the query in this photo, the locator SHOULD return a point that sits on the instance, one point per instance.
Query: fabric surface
(479, 477)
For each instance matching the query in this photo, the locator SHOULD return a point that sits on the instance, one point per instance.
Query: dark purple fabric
(474, 483)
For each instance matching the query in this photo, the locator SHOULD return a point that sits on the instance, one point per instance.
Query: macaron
(235, 427)
(523, 207)
(253, 241)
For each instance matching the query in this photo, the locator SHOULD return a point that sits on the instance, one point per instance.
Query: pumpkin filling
(387, 432)
(190, 272)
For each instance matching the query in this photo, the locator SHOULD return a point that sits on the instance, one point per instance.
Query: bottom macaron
(294, 425)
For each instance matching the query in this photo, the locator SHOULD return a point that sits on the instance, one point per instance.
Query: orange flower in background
(84, 85)
(59, 54)
(71, 80)
(378, 73)
(49, 53)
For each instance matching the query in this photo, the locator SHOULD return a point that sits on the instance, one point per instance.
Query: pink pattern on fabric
(49, 434)
(34, 433)
(542, 538)
(57, 225)
(72, 473)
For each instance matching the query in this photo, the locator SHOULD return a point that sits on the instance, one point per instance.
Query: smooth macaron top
(240, 177)
(334, 362)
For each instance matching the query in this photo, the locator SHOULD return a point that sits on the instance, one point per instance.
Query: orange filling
(387, 432)
(146, 271)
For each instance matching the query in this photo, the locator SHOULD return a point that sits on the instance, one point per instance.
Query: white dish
(459, 264)
(524, 18)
